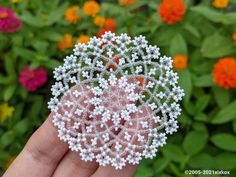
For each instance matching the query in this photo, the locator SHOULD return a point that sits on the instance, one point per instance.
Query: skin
(44, 155)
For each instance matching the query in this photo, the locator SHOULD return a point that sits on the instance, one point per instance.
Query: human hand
(45, 155)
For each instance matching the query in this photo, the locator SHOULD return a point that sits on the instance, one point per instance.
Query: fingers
(41, 154)
(73, 115)
(73, 166)
(45, 150)
(79, 128)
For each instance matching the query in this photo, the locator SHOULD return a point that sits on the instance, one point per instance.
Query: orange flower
(140, 80)
(99, 21)
(224, 73)
(220, 4)
(91, 8)
(180, 62)
(83, 39)
(71, 14)
(172, 11)
(110, 23)
(65, 43)
(234, 38)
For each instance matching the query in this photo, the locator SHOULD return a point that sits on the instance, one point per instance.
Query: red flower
(172, 11)
(110, 23)
(8, 21)
(31, 79)
(103, 30)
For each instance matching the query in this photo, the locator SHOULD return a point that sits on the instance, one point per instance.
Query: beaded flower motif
(115, 100)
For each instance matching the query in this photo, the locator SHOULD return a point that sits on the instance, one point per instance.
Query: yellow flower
(71, 14)
(9, 161)
(220, 3)
(91, 8)
(99, 21)
(5, 111)
(65, 43)
(15, 1)
(83, 39)
(126, 2)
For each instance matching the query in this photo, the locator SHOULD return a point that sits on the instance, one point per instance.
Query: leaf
(36, 107)
(56, 14)
(136, 5)
(5, 80)
(164, 40)
(194, 31)
(194, 142)
(52, 63)
(221, 96)
(224, 141)
(24, 53)
(17, 40)
(201, 161)
(178, 45)
(207, 12)
(160, 164)
(9, 92)
(52, 35)
(40, 46)
(7, 138)
(234, 126)
(225, 161)
(212, 46)
(185, 82)
(201, 117)
(228, 19)
(200, 127)
(228, 113)
(21, 127)
(203, 81)
(10, 66)
(31, 20)
(173, 152)
(144, 171)
(202, 103)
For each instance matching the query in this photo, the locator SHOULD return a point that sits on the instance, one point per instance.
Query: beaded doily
(115, 100)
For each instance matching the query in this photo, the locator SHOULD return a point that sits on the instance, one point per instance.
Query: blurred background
(199, 35)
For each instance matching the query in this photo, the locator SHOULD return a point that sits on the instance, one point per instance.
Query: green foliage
(194, 142)
(206, 137)
(224, 141)
(212, 46)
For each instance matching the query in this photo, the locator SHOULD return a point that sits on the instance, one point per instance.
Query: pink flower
(5, 12)
(8, 21)
(31, 79)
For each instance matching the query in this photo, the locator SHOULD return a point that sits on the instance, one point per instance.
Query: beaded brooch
(115, 100)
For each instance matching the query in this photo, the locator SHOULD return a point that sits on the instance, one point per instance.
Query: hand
(45, 155)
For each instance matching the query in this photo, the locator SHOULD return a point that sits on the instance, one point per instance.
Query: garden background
(35, 36)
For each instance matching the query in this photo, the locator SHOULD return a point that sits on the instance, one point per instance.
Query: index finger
(41, 154)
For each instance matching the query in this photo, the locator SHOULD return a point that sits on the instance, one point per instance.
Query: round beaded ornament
(115, 100)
